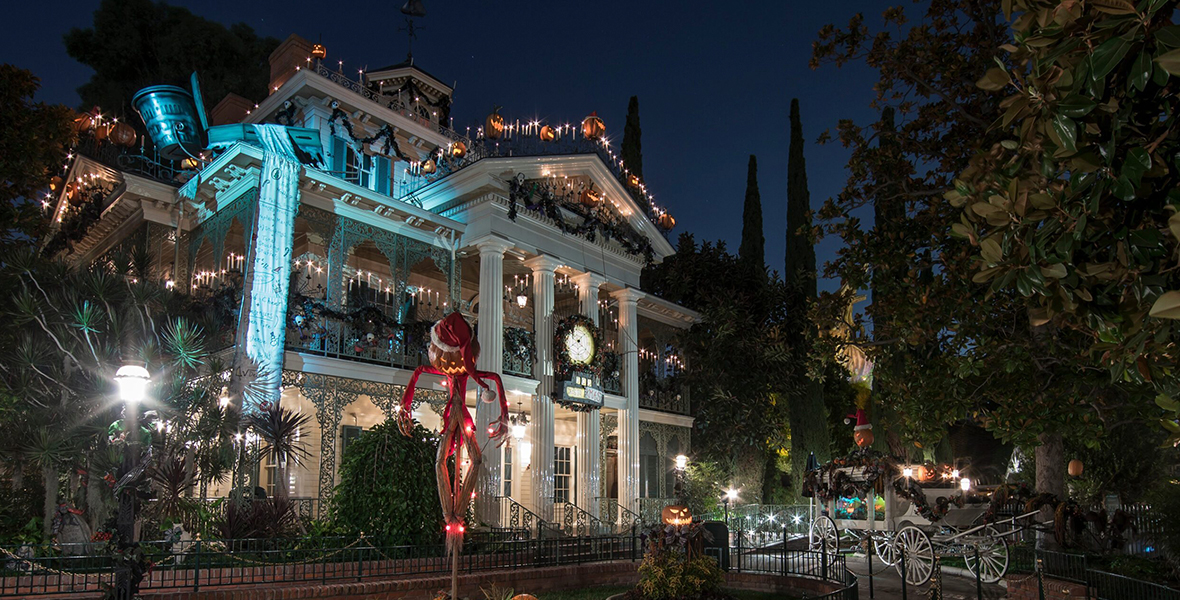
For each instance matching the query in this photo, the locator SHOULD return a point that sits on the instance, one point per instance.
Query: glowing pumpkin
(590, 198)
(863, 438)
(1075, 468)
(676, 515)
(547, 134)
(666, 222)
(633, 180)
(593, 127)
(494, 125)
(318, 51)
(450, 363)
(84, 122)
(458, 150)
(429, 167)
(524, 597)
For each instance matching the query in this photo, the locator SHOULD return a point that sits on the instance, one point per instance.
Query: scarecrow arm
(500, 427)
(405, 416)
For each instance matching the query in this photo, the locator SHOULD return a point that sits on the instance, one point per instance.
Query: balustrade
(663, 394)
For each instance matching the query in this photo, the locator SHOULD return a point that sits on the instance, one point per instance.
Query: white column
(491, 358)
(588, 440)
(542, 422)
(629, 417)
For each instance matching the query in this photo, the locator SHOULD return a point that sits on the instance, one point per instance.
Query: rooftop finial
(412, 9)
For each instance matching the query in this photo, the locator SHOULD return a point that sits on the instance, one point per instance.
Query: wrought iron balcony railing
(519, 352)
(403, 346)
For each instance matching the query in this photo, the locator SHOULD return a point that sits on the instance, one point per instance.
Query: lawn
(601, 593)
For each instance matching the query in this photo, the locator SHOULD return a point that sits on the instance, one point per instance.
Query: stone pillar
(629, 416)
(491, 358)
(588, 441)
(541, 433)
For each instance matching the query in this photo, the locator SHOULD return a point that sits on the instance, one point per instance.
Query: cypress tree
(632, 151)
(752, 251)
(806, 411)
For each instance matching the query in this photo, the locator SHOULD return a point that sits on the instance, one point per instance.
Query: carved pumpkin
(450, 363)
(55, 183)
(590, 198)
(524, 597)
(547, 134)
(666, 222)
(318, 51)
(494, 125)
(676, 515)
(593, 127)
(1075, 468)
(863, 438)
(121, 134)
(429, 167)
(921, 473)
(84, 122)
(633, 180)
(458, 150)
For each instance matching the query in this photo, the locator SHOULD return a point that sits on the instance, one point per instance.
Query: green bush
(674, 568)
(387, 487)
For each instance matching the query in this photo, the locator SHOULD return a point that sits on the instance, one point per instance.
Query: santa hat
(453, 334)
(862, 420)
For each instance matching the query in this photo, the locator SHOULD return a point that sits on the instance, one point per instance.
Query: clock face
(579, 344)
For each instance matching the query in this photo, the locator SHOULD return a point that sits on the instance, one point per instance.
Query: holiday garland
(832, 480)
(385, 133)
(371, 327)
(543, 199)
(911, 490)
(86, 205)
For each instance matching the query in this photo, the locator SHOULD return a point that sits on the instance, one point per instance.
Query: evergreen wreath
(563, 366)
(519, 344)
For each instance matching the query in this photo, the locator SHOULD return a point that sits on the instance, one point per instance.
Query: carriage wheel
(883, 546)
(993, 557)
(914, 544)
(823, 531)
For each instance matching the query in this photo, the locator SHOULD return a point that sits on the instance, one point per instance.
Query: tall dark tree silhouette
(752, 251)
(632, 151)
(805, 408)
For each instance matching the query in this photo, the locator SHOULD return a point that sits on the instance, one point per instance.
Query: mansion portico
(399, 219)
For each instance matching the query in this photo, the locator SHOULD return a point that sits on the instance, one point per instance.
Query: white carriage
(895, 527)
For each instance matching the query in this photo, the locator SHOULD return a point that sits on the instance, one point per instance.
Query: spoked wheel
(993, 557)
(883, 546)
(915, 546)
(824, 535)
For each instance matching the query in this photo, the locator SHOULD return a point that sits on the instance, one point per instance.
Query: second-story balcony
(667, 394)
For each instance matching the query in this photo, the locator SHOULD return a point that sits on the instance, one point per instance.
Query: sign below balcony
(580, 392)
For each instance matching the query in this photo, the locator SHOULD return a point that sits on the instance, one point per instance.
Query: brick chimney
(231, 109)
(293, 52)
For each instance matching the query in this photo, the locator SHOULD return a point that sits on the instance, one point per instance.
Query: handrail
(623, 517)
(577, 521)
(522, 518)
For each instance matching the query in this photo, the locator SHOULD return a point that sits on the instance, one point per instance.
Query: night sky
(714, 80)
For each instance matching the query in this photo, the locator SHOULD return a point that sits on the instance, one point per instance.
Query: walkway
(887, 584)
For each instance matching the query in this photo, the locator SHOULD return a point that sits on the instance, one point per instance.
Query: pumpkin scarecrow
(453, 352)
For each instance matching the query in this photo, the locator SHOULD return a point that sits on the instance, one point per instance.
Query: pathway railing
(513, 515)
(623, 518)
(1078, 568)
(577, 521)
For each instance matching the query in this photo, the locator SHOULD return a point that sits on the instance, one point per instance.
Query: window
(348, 435)
(562, 474)
(650, 469)
(507, 471)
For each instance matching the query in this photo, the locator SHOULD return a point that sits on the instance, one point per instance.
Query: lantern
(429, 167)
(590, 198)
(458, 150)
(121, 134)
(862, 437)
(318, 51)
(633, 180)
(592, 127)
(667, 222)
(494, 125)
(676, 515)
(1075, 468)
(83, 122)
(547, 134)
(450, 362)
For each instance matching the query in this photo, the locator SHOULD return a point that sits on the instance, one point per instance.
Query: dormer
(419, 91)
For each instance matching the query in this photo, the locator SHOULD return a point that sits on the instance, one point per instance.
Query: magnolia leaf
(1056, 271)
(1114, 7)
(1042, 201)
(1076, 106)
(1039, 316)
(1067, 132)
(1166, 306)
(986, 275)
(1107, 56)
(995, 79)
(991, 251)
(1168, 36)
(960, 230)
(1170, 425)
(1170, 61)
(1137, 163)
(1174, 225)
(985, 209)
(1141, 71)
(1167, 403)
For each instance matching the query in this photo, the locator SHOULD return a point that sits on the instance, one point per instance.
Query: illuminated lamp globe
(132, 381)
(681, 462)
(518, 432)
(592, 127)
(965, 485)
(318, 51)
(1075, 468)
(522, 300)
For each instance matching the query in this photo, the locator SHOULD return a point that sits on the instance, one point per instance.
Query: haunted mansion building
(339, 218)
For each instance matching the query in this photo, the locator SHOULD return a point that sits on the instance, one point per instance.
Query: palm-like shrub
(281, 431)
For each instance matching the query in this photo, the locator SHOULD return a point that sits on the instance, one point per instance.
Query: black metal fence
(1077, 568)
(809, 564)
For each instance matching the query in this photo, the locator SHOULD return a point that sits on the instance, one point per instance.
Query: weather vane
(412, 8)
